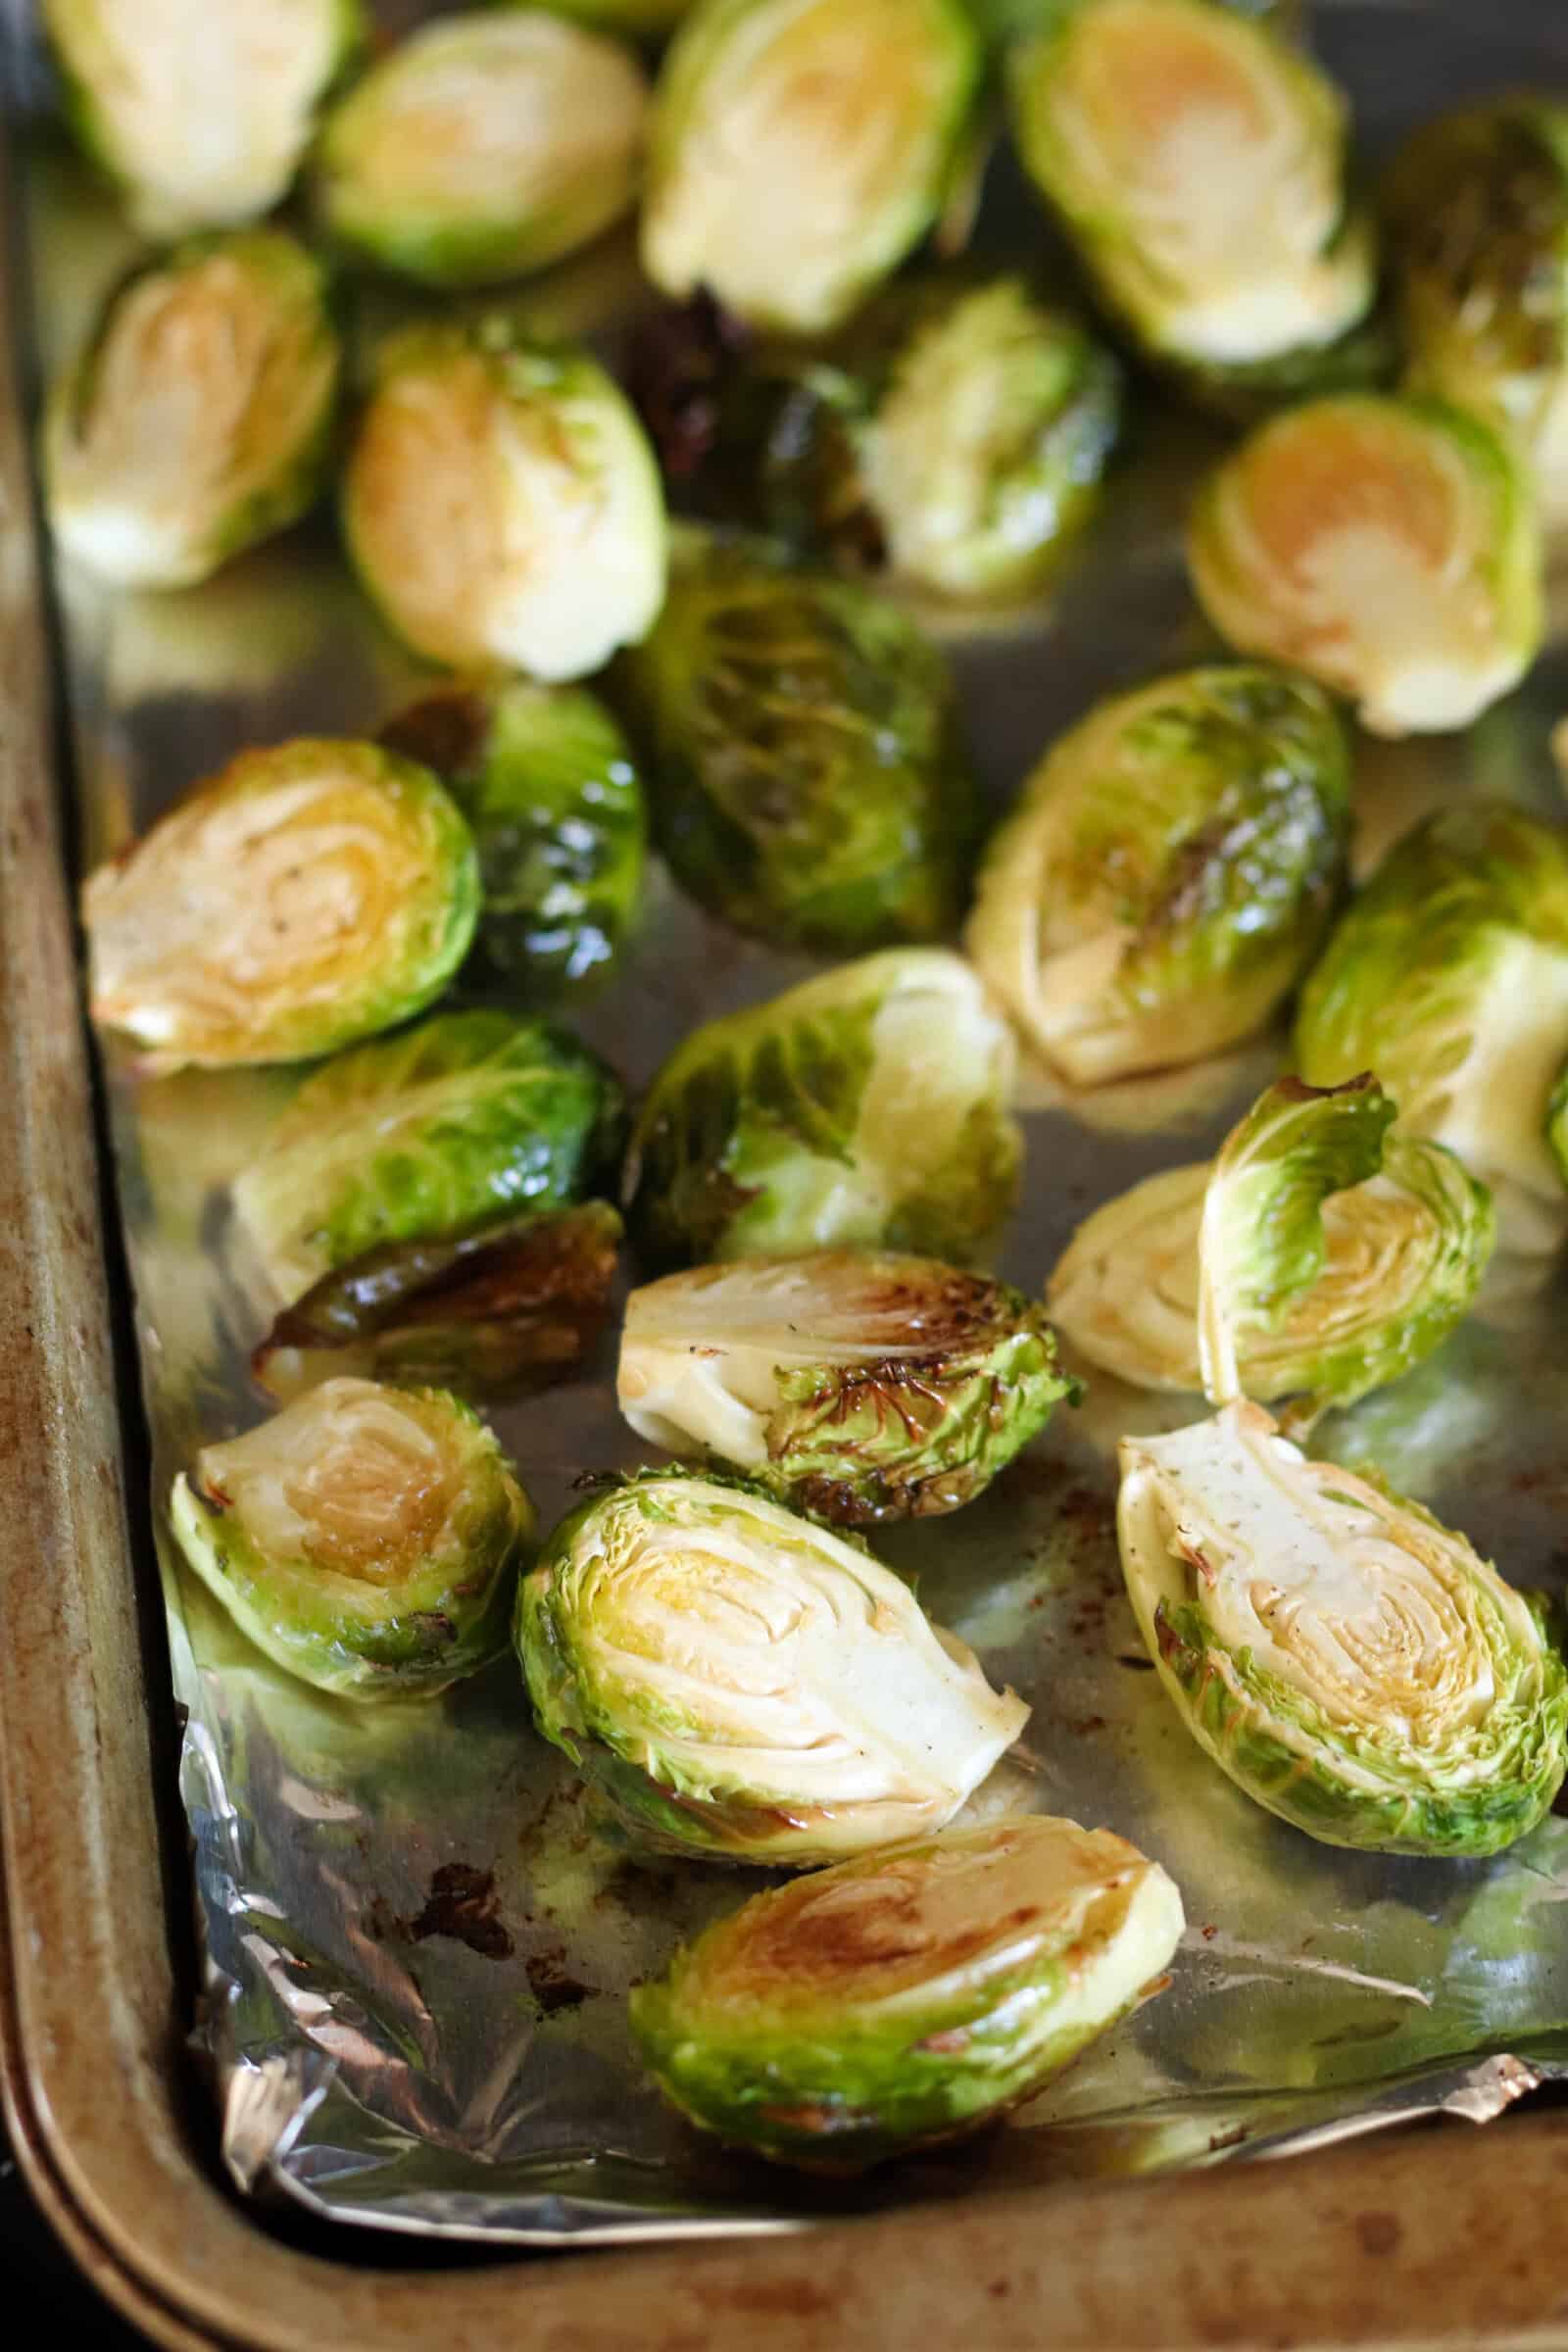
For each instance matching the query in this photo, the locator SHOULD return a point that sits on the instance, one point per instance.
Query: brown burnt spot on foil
(551, 1984)
(462, 1904)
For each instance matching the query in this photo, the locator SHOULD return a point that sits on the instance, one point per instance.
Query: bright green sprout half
(367, 1539)
(867, 1108)
(857, 1386)
(745, 1685)
(909, 1997)
(1349, 1661)
(1168, 872)
(198, 418)
(799, 149)
(308, 896)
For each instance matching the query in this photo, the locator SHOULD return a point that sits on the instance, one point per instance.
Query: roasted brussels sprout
(906, 1997)
(482, 146)
(200, 109)
(501, 503)
(1387, 547)
(803, 743)
(744, 1684)
(365, 1538)
(498, 1309)
(307, 896)
(800, 148)
(867, 1107)
(1476, 206)
(1448, 976)
(1197, 162)
(467, 1116)
(547, 782)
(1170, 868)
(1347, 1660)
(858, 1385)
(198, 418)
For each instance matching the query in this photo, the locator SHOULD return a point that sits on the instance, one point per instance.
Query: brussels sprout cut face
(1448, 976)
(867, 1107)
(367, 1539)
(742, 1684)
(1168, 872)
(811, 782)
(202, 113)
(1199, 165)
(900, 1999)
(309, 896)
(502, 506)
(483, 146)
(800, 148)
(857, 1386)
(1387, 547)
(1349, 1662)
(197, 419)
(469, 1116)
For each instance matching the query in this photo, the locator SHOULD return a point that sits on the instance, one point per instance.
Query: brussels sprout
(1004, 20)
(1387, 547)
(1557, 1123)
(800, 148)
(1198, 164)
(636, 18)
(1448, 976)
(546, 780)
(903, 1998)
(1347, 1660)
(1476, 206)
(501, 503)
(200, 109)
(859, 1386)
(503, 1306)
(365, 1538)
(415, 1138)
(306, 895)
(198, 418)
(867, 1107)
(745, 1685)
(803, 739)
(482, 146)
(1172, 867)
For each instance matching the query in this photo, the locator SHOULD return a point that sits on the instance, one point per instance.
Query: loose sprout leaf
(857, 1386)
(1349, 1662)
(743, 1683)
(906, 1997)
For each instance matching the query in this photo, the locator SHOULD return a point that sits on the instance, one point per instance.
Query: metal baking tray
(1427, 2236)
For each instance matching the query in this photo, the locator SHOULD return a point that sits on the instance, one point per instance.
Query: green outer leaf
(1557, 1124)
(635, 18)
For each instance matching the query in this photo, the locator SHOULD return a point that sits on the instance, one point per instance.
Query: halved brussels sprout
(744, 1684)
(365, 1538)
(198, 419)
(1169, 870)
(467, 1116)
(304, 897)
(1341, 1269)
(501, 1308)
(1476, 206)
(1448, 976)
(545, 779)
(867, 1107)
(482, 146)
(200, 109)
(803, 737)
(858, 1385)
(1387, 547)
(1349, 1661)
(800, 148)
(907, 1997)
(501, 503)
(1198, 163)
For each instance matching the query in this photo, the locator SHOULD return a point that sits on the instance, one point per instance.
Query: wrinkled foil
(417, 1940)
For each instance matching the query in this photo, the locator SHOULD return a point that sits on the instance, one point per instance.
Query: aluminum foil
(418, 1942)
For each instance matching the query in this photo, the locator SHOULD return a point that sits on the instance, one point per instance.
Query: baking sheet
(418, 1946)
